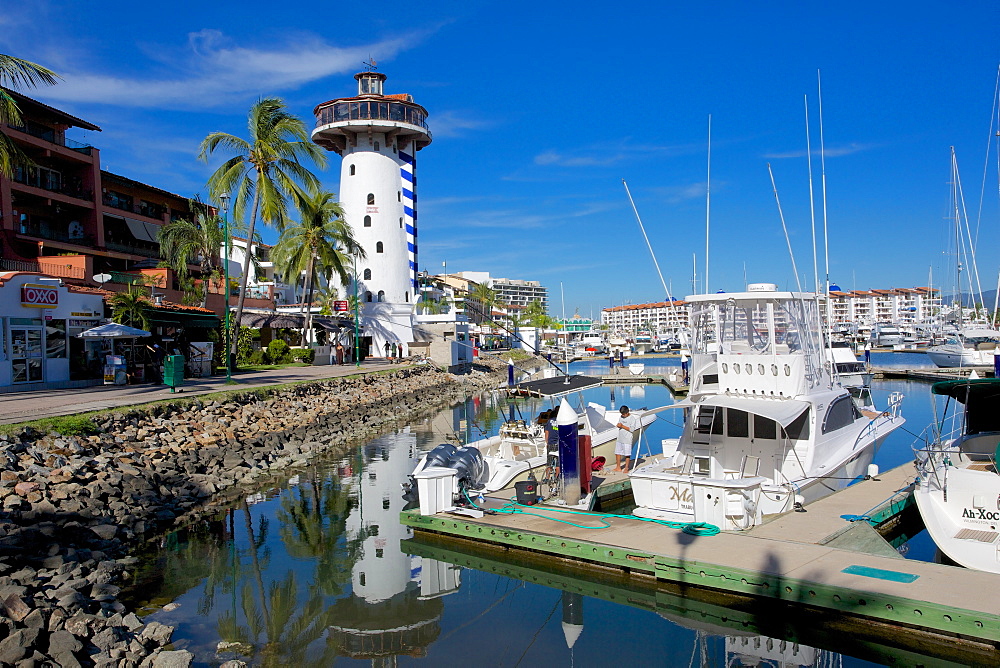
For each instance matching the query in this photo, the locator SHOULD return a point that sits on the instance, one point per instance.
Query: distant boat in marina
(592, 341)
(643, 343)
(886, 335)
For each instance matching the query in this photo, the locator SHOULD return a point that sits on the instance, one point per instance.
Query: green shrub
(279, 352)
(306, 355)
(258, 357)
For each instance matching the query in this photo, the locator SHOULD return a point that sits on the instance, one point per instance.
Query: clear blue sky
(539, 110)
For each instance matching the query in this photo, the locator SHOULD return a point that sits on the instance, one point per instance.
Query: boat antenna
(822, 165)
(670, 299)
(791, 254)
(708, 198)
(812, 204)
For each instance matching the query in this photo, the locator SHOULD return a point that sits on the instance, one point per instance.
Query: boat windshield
(757, 326)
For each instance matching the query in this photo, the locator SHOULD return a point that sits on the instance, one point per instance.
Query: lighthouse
(378, 136)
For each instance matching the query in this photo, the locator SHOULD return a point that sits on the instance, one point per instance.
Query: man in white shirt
(628, 425)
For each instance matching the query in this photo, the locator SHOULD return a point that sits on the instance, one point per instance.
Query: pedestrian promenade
(38, 404)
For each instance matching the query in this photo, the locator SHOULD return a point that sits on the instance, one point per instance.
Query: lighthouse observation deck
(339, 120)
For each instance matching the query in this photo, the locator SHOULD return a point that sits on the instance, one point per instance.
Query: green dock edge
(901, 611)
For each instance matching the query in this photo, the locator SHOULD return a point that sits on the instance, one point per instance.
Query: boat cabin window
(764, 427)
(798, 430)
(702, 465)
(709, 420)
(737, 423)
(841, 413)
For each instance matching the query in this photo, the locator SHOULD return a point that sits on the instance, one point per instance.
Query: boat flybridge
(958, 485)
(767, 423)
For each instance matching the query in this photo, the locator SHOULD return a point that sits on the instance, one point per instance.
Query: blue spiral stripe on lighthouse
(409, 187)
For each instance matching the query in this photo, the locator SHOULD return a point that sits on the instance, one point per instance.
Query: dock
(816, 559)
(932, 374)
(674, 381)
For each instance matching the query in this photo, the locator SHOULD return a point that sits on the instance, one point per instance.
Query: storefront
(38, 319)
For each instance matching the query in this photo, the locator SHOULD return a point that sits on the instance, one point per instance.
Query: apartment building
(900, 306)
(658, 316)
(65, 217)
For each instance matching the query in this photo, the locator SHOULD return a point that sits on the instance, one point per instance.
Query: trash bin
(173, 371)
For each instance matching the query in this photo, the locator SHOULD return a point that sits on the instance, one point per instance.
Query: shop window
(55, 339)
(371, 199)
(378, 247)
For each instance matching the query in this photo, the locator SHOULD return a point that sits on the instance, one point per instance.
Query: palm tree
(130, 307)
(433, 306)
(263, 173)
(183, 241)
(321, 245)
(328, 294)
(489, 299)
(16, 73)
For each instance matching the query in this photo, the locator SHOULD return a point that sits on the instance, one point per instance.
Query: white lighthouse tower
(378, 136)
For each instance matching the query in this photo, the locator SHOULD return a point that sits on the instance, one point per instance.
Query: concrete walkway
(37, 404)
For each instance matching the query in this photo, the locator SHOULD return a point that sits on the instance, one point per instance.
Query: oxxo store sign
(39, 296)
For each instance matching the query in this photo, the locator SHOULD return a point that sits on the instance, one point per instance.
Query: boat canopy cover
(558, 386)
(963, 390)
(782, 411)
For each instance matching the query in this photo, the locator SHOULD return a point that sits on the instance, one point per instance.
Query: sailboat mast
(708, 198)
(812, 204)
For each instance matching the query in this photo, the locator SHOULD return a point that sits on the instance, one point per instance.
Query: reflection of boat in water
(958, 494)
(766, 421)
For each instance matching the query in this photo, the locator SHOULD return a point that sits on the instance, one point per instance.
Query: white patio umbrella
(113, 331)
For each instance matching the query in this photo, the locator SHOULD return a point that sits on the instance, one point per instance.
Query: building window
(406, 296)
(378, 246)
(381, 295)
(399, 195)
(400, 223)
(368, 221)
(353, 170)
(368, 276)
(377, 146)
(371, 199)
(368, 296)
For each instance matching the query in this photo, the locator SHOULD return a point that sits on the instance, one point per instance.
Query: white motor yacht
(767, 425)
(969, 347)
(958, 486)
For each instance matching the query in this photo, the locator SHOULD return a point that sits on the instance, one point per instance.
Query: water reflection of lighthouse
(394, 607)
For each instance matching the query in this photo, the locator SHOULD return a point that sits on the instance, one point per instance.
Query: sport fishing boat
(767, 424)
(522, 445)
(643, 343)
(592, 341)
(958, 486)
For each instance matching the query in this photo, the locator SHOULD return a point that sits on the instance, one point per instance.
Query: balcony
(399, 112)
(49, 135)
(46, 229)
(52, 269)
(130, 248)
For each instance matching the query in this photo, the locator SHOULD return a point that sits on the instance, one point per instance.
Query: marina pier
(816, 560)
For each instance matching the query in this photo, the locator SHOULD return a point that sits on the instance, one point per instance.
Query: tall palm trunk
(243, 279)
(309, 292)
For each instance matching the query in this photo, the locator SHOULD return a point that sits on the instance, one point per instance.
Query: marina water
(311, 570)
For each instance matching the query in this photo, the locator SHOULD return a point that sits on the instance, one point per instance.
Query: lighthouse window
(399, 196)
(368, 221)
(378, 247)
(368, 276)
(368, 296)
(400, 223)
(371, 199)
(406, 296)
(381, 295)
(353, 167)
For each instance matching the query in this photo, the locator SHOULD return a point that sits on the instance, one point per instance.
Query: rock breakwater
(72, 507)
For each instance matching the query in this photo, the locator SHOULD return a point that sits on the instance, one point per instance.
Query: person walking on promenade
(627, 425)
(388, 350)
(395, 352)
(340, 352)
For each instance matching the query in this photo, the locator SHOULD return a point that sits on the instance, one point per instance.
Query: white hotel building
(657, 317)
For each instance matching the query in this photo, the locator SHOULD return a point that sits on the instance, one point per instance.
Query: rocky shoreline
(73, 507)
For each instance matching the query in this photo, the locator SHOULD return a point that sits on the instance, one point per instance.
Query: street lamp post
(224, 198)
(357, 338)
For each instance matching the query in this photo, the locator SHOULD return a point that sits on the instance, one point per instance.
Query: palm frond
(18, 73)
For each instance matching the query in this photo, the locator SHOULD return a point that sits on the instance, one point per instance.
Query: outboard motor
(441, 455)
(470, 466)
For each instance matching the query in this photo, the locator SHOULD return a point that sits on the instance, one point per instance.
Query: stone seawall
(72, 507)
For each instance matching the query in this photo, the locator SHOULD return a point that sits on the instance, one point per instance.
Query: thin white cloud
(455, 124)
(602, 155)
(829, 152)
(212, 70)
